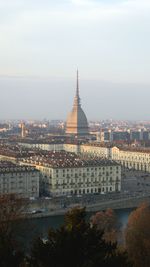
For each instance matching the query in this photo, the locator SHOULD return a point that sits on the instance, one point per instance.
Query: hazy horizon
(44, 42)
(31, 98)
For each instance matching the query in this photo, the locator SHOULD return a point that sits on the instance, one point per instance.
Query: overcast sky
(43, 42)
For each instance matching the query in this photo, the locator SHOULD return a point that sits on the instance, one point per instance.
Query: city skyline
(45, 99)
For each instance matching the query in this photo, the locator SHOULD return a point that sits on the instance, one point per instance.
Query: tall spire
(77, 89)
(77, 122)
(77, 97)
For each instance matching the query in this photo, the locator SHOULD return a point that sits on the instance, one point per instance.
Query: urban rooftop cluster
(7, 167)
(67, 159)
(135, 149)
(17, 151)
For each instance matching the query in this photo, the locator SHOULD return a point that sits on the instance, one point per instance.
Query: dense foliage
(107, 222)
(138, 236)
(11, 207)
(76, 244)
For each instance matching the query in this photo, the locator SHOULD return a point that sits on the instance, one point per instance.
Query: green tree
(76, 244)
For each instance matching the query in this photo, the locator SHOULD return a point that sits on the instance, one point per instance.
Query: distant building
(132, 158)
(77, 122)
(136, 135)
(14, 153)
(49, 146)
(95, 150)
(23, 130)
(123, 135)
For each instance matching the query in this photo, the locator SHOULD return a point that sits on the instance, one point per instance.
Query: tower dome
(77, 122)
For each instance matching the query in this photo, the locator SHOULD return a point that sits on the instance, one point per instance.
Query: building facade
(20, 180)
(135, 159)
(43, 146)
(131, 157)
(95, 150)
(68, 174)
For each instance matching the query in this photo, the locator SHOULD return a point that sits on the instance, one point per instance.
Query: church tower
(77, 122)
(23, 130)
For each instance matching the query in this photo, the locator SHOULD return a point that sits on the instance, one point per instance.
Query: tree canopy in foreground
(137, 236)
(11, 208)
(76, 244)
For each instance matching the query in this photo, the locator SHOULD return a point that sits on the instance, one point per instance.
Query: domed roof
(77, 122)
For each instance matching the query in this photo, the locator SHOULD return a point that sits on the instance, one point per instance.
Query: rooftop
(9, 167)
(135, 149)
(17, 151)
(67, 160)
(105, 145)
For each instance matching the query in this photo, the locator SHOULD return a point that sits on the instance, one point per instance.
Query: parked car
(32, 198)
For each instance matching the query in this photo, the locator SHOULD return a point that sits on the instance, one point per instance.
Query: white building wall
(62, 181)
(71, 148)
(95, 151)
(23, 183)
(132, 159)
(86, 180)
(48, 147)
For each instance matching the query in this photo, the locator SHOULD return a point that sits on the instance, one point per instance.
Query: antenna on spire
(77, 92)
(77, 97)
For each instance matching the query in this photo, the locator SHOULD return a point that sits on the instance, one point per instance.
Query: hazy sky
(42, 42)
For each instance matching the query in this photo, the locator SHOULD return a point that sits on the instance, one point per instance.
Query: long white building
(43, 146)
(132, 158)
(93, 149)
(135, 158)
(65, 173)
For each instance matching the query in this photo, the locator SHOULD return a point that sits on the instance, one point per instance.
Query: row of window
(76, 175)
(95, 179)
(88, 190)
(65, 186)
(89, 169)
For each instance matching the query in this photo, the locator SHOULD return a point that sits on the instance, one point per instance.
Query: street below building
(135, 190)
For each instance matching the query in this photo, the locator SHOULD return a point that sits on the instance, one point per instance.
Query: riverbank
(117, 204)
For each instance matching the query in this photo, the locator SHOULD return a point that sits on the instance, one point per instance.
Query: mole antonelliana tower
(77, 122)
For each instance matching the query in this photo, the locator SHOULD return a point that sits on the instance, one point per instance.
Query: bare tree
(137, 236)
(11, 214)
(108, 223)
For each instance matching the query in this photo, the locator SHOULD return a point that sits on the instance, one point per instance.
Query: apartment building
(20, 180)
(66, 173)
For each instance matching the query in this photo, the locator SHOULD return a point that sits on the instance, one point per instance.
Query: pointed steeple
(77, 89)
(77, 122)
(77, 97)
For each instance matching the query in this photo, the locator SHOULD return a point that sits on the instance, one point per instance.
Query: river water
(39, 226)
